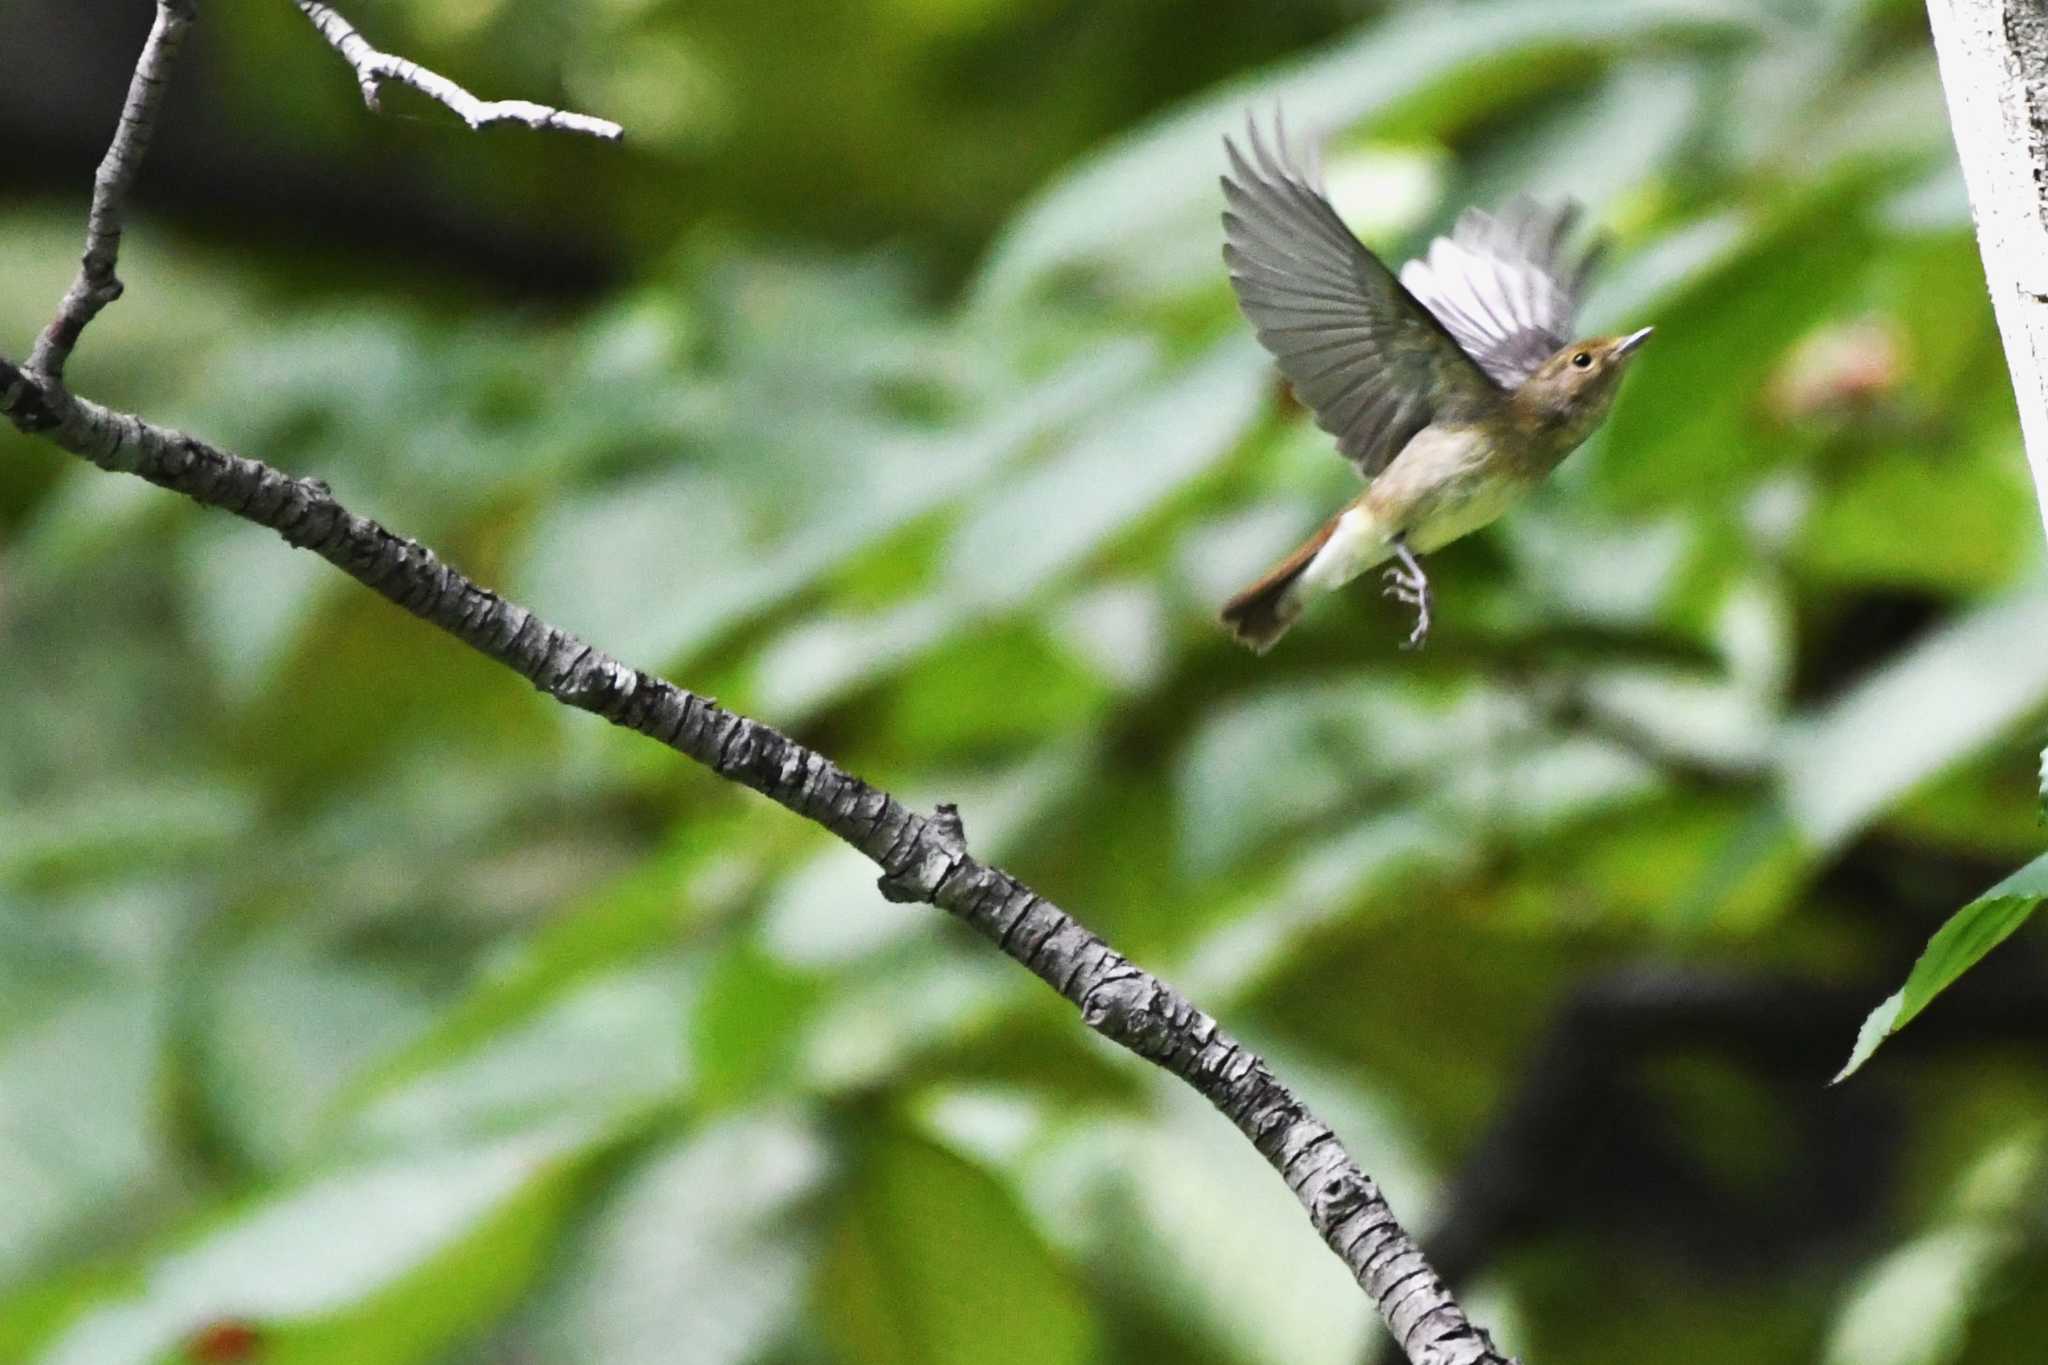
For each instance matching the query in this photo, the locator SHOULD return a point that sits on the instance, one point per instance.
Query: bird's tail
(1261, 614)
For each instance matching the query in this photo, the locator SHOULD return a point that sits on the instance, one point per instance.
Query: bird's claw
(1402, 588)
(1407, 583)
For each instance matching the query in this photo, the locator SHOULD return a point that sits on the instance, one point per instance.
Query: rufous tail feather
(1261, 614)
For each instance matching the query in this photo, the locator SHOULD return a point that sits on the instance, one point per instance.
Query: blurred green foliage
(358, 1004)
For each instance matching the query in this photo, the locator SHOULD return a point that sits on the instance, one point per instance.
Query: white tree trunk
(1994, 68)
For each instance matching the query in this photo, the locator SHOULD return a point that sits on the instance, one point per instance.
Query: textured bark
(921, 858)
(1994, 68)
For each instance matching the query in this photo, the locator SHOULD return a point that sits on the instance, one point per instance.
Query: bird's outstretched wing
(1505, 286)
(1367, 358)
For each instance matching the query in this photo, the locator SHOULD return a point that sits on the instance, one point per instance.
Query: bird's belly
(1446, 482)
(1461, 509)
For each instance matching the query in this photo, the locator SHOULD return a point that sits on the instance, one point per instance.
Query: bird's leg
(1408, 583)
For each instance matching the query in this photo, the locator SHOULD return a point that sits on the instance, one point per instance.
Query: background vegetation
(356, 1004)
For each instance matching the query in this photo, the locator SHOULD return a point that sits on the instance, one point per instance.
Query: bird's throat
(1539, 430)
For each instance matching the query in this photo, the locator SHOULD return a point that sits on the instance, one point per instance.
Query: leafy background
(357, 1004)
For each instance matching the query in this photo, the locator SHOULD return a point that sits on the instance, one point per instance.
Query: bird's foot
(1408, 584)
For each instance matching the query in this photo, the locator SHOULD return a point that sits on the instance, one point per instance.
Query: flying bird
(1454, 388)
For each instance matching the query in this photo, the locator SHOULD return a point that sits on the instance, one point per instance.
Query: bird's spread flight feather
(1362, 353)
(1504, 286)
(1377, 357)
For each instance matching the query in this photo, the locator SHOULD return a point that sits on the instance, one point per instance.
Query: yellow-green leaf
(1970, 933)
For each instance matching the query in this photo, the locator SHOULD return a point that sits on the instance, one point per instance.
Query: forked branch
(96, 285)
(921, 858)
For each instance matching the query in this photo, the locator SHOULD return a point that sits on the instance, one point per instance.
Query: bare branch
(373, 68)
(923, 859)
(95, 286)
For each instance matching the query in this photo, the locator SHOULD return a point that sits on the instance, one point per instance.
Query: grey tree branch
(1994, 70)
(921, 858)
(95, 286)
(373, 68)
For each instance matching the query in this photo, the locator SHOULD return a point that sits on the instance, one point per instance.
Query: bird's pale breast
(1447, 482)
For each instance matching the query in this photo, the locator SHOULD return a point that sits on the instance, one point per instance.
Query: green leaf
(1929, 1300)
(1295, 756)
(933, 1263)
(540, 1073)
(603, 935)
(250, 634)
(1607, 144)
(381, 1262)
(741, 551)
(1957, 946)
(1686, 429)
(682, 525)
(748, 1024)
(77, 1127)
(930, 997)
(283, 1030)
(829, 654)
(938, 709)
(1972, 811)
(1845, 765)
(699, 1257)
(1435, 68)
(1869, 530)
(97, 834)
(1114, 472)
(1915, 1306)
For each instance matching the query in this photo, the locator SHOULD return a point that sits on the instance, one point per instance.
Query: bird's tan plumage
(1451, 386)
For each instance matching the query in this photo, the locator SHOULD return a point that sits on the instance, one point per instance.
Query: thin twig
(95, 286)
(373, 68)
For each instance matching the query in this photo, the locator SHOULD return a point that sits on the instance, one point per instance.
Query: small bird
(1453, 388)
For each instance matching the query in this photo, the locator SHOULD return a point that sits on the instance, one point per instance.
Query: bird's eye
(1582, 359)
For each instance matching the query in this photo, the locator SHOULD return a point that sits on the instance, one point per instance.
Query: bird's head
(1573, 388)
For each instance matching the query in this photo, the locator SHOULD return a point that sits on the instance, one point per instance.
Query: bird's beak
(1631, 341)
